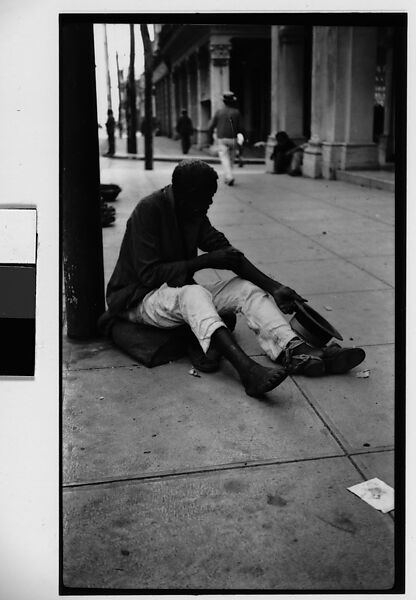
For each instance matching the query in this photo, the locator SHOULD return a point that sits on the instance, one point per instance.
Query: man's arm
(214, 243)
(153, 270)
(218, 252)
(225, 258)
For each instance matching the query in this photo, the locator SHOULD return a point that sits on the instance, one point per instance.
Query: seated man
(153, 284)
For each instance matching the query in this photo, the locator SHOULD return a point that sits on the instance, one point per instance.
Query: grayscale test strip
(17, 291)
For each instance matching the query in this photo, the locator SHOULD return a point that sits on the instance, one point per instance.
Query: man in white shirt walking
(227, 123)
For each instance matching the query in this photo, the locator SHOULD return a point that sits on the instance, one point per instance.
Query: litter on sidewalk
(194, 373)
(376, 493)
(363, 374)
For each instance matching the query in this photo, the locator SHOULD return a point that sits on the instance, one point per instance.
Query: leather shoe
(339, 360)
(299, 358)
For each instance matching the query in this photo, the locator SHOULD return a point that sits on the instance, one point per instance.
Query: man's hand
(285, 299)
(226, 258)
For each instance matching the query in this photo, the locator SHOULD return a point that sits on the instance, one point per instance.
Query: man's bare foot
(257, 380)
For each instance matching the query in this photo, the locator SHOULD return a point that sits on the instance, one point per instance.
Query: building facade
(195, 64)
(330, 87)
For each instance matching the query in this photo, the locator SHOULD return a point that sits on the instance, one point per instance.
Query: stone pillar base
(347, 156)
(312, 161)
(201, 139)
(271, 143)
(383, 146)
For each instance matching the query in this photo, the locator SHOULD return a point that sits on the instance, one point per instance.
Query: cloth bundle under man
(153, 284)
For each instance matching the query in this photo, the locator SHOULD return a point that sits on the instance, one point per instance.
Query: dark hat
(311, 326)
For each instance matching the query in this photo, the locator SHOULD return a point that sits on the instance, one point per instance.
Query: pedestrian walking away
(185, 129)
(152, 284)
(110, 127)
(226, 124)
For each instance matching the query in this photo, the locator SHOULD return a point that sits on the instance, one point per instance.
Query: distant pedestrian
(110, 127)
(227, 123)
(286, 155)
(185, 129)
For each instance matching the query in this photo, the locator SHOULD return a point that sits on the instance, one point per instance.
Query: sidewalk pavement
(168, 149)
(175, 482)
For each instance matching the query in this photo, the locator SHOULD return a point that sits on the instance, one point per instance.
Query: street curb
(178, 158)
(367, 181)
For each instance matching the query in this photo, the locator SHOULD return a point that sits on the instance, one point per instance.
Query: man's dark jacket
(184, 126)
(155, 250)
(227, 121)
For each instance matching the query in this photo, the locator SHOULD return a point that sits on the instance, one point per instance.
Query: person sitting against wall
(287, 156)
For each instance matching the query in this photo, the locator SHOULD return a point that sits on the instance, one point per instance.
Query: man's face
(194, 205)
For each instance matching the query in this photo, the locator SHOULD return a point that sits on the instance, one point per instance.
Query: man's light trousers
(226, 152)
(201, 305)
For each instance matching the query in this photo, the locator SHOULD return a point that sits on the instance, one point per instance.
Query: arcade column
(343, 74)
(220, 49)
(291, 80)
(173, 99)
(274, 102)
(287, 86)
(386, 141)
(198, 125)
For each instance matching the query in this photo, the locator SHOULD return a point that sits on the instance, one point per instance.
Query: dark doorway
(307, 83)
(250, 80)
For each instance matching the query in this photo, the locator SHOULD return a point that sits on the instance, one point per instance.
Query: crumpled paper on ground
(376, 493)
(363, 374)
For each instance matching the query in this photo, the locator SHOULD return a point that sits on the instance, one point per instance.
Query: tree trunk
(107, 69)
(80, 181)
(132, 120)
(148, 84)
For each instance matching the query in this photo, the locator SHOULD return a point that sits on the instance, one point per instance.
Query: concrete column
(312, 157)
(172, 96)
(185, 79)
(349, 130)
(287, 84)
(385, 146)
(181, 93)
(220, 48)
(187, 70)
(204, 94)
(274, 106)
(274, 120)
(198, 125)
(291, 78)
(342, 105)
(168, 103)
(193, 93)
